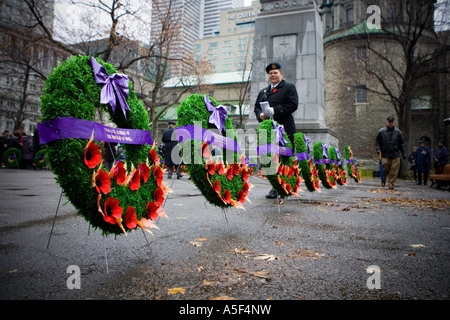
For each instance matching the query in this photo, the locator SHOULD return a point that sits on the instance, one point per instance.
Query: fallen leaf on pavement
(196, 243)
(201, 239)
(176, 290)
(267, 257)
(224, 298)
(417, 246)
(260, 274)
(241, 251)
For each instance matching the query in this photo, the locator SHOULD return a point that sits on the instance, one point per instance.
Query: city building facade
(211, 14)
(26, 58)
(357, 104)
(231, 48)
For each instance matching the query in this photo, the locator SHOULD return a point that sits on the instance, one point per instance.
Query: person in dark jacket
(412, 161)
(390, 144)
(423, 160)
(27, 152)
(440, 157)
(109, 153)
(282, 98)
(170, 143)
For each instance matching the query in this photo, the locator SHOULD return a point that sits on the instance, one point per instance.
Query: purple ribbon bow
(219, 114)
(280, 133)
(324, 151)
(116, 82)
(337, 154)
(307, 143)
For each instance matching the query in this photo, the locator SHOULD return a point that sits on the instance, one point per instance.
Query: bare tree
(406, 62)
(244, 90)
(26, 57)
(399, 62)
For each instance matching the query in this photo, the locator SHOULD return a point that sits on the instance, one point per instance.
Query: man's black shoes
(271, 195)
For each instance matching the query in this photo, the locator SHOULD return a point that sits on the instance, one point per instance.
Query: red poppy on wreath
(154, 156)
(102, 182)
(226, 197)
(210, 166)
(135, 180)
(216, 186)
(220, 168)
(236, 168)
(244, 174)
(230, 173)
(158, 173)
(152, 210)
(130, 218)
(92, 157)
(205, 150)
(112, 212)
(144, 171)
(246, 187)
(158, 197)
(240, 196)
(118, 172)
(290, 172)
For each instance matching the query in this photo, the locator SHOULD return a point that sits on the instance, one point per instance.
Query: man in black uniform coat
(283, 100)
(169, 145)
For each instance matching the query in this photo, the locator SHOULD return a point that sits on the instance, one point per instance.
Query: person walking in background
(27, 152)
(412, 161)
(109, 153)
(423, 160)
(282, 98)
(440, 157)
(4, 142)
(390, 144)
(169, 145)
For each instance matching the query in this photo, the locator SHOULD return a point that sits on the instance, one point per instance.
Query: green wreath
(325, 169)
(114, 201)
(12, 157)
(334, 155)
(223, 184)
(40, 159)
(285, 179)
(307, 168)
(352, 169)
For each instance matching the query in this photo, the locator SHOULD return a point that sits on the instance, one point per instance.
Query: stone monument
(290, 32)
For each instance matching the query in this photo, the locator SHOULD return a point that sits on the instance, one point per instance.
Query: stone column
(290, 32)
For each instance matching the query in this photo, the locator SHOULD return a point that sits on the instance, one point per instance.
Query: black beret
(390, 119)
(273, 66)
(171, 122)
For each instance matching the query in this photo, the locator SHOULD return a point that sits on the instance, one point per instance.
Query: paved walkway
(317, 247)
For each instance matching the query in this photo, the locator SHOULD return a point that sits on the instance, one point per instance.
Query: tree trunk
(20, 113)
(405, 127)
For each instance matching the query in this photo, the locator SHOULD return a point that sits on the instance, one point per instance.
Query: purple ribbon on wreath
(306, 142)
(338, 157)
(116, 82)
(324, 150)
(303, 156)
(323, 161)
(280, 133)
(219, 114)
